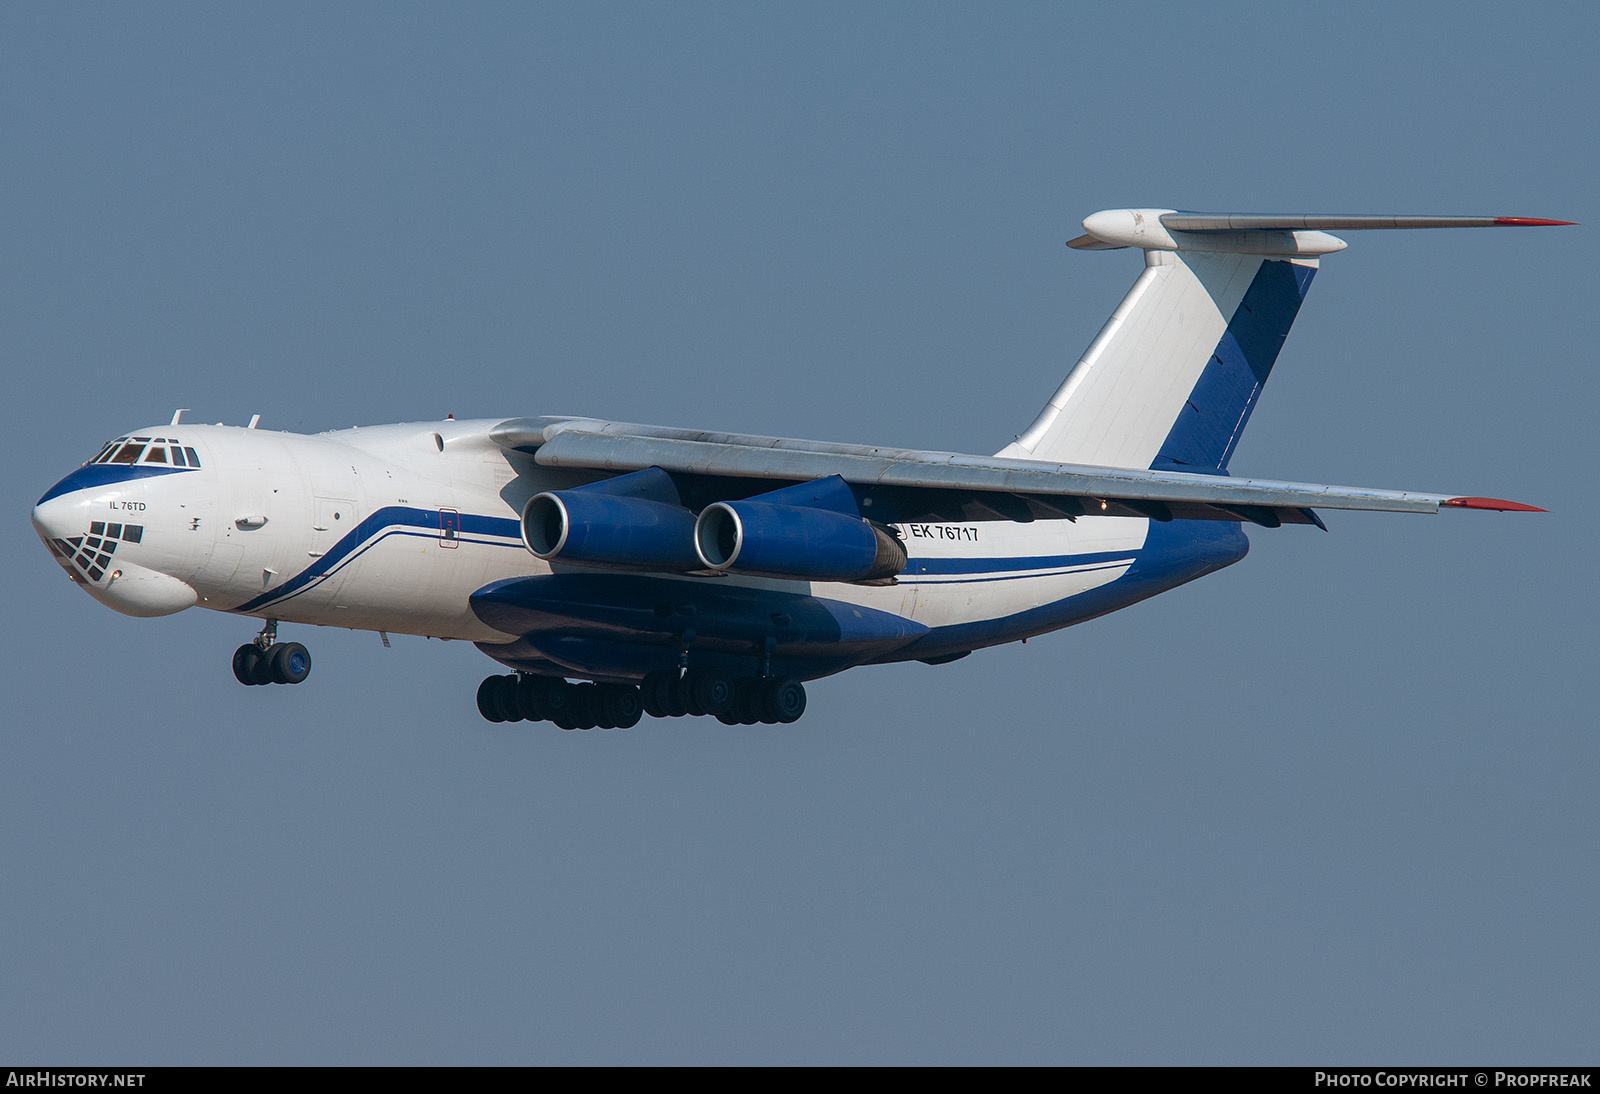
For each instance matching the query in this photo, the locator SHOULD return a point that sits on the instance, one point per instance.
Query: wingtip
(1497, 504)
(1532, 222)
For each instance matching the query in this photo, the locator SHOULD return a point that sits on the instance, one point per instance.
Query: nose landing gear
(268, 661)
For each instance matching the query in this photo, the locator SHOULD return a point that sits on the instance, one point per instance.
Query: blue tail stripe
(1208, 427)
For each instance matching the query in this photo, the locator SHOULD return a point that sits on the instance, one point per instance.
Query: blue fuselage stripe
(94, 475)
(1120, 563)
(390, 520)
(506, 532)
(916, 567)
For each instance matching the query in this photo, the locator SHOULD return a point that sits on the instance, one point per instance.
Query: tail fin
(1172, 377)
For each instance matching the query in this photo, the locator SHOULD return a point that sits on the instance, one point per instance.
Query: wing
(908, 484)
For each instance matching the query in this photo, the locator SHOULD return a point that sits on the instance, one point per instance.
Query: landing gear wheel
(584, 715)
(747, 702)
(558, 699)
(620, 704)
(505, 698)
(245, 660)
(290, 663)
(530, 694)
(651, 690)
(550, 695)
(672, 697)
(597, 706)
(684, 694)
(488, 706)
(713, 692)
(782, 700)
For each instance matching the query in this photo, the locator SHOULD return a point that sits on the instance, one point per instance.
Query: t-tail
(1170, 381)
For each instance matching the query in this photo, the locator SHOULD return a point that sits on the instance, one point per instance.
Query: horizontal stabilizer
(1263, 222)
(1303, 234)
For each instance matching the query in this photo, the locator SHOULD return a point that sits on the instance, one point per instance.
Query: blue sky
(1334, 804)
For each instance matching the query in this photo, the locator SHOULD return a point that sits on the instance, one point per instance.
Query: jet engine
(613, 524)
(756, 538)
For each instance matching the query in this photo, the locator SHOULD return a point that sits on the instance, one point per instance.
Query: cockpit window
(108, 451)
(147, 450)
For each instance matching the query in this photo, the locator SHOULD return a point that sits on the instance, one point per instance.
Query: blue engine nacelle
(753, 537)
(595, 527)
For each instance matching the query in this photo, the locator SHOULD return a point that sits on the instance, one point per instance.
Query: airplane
(619, 570)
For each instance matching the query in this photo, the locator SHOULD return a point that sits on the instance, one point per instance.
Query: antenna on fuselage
(255, 420)
(177, 416)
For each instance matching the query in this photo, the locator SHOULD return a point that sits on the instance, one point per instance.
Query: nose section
(94, 551)
(60, 516)
(63, 512)
(62, 520)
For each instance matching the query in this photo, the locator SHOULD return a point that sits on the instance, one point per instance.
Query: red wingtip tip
(1498, 504)
(1533, 222)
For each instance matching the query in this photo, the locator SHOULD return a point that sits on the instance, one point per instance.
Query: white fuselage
(393, 528)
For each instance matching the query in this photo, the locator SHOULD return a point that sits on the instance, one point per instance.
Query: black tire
(670, 698)
(291, 663)
(621, 705)
(598, 706)
(713, 693)
(747, 702)
(505, 698)
(684, 695)
(530, 693)
(245, 659)
(261, 671)
(650, 693)
(584, 715)
(487, 705)
(782, 700)
(556, 700)
(729, 717)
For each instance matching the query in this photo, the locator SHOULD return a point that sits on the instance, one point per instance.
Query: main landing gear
(268, 661)
(520, 697)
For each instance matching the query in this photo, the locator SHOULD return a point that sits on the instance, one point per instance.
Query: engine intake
(755, 538)
(599, 529)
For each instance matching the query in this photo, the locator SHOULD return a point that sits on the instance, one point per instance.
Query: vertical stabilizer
(1172, 378)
